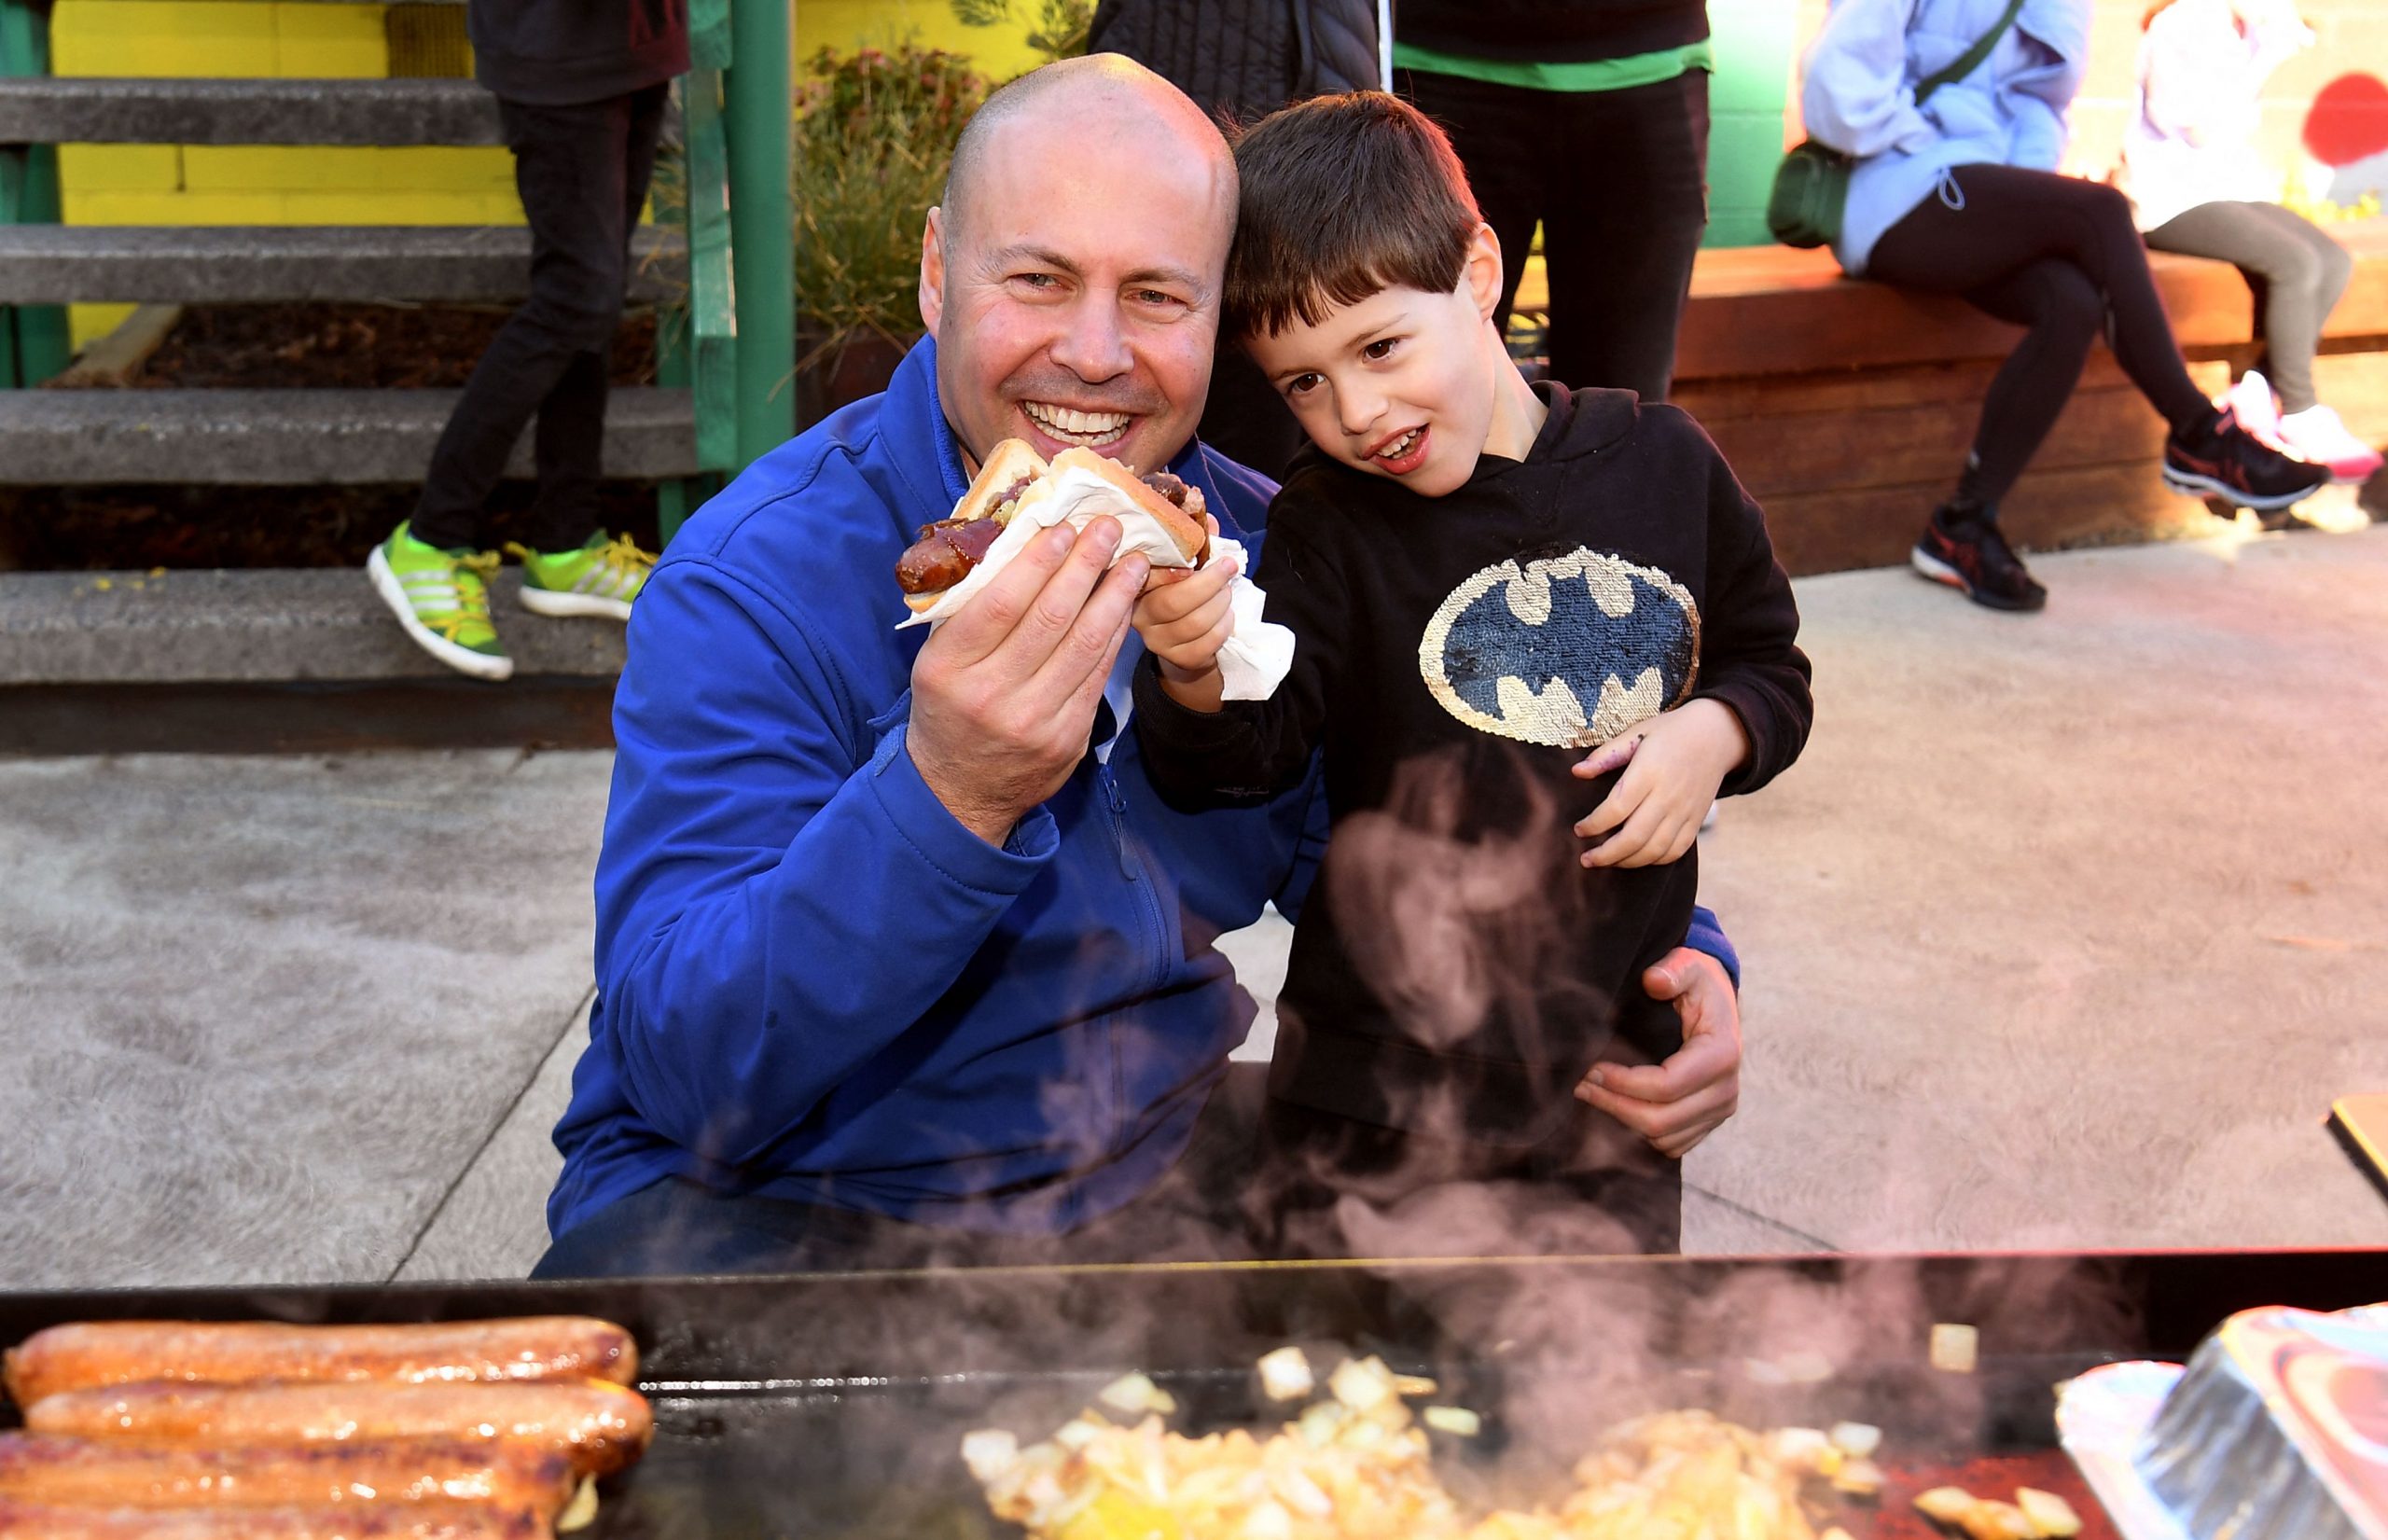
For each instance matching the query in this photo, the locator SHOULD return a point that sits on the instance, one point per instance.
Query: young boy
(1484, 579)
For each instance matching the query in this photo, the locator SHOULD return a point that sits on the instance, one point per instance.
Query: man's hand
(1676, 1104)
(1184, 617)
(1004, 693)
(1673, 764)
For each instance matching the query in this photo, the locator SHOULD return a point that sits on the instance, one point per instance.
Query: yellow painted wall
(254, 185)
(267, 184)
(1001, 52)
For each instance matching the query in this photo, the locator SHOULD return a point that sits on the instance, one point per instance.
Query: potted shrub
(874, 131)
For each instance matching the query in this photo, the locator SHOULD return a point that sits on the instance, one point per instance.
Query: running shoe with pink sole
(2253, 406)
(2318, 437)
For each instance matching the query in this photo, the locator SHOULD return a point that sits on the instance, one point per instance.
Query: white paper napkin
(1258, 654)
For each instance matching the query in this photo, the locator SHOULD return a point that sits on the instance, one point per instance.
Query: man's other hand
(1004, 693)
(1677, 1104)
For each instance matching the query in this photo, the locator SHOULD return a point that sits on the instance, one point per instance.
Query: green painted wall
(1754, 40)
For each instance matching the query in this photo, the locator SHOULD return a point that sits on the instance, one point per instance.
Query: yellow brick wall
(236, 185)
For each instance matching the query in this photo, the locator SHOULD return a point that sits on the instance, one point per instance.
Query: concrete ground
(2065, 932)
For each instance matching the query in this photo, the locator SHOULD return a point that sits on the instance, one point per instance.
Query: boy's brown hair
(1341, 198)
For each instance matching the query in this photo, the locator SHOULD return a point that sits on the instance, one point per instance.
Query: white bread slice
(1006, 464)
(1184, 525)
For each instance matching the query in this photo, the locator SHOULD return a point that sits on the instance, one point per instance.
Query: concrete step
(49, 111)
(120, 628)
(289, 437)
(56, 264)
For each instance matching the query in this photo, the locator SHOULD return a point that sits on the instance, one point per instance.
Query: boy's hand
(1184, 617)
(1673, 764)
(1677, 1104)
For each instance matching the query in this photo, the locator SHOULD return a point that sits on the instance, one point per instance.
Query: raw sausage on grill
(119, 1352)
(598, 1426)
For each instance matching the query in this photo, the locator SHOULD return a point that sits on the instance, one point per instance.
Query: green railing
(735, 346)
(33, 337)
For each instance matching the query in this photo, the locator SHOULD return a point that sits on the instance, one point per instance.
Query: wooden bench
(1847, 406)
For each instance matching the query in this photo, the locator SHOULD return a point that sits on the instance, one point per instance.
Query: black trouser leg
(2297, 270)
(1989, 224)
(1618, 244)
(1485, 122)
(581, 172)
(2064, 310)
(1620, 251)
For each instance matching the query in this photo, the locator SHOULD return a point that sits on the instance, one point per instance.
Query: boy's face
(1402, 384)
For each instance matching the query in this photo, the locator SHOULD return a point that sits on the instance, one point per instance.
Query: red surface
(2349, 121)
(1997, 1477)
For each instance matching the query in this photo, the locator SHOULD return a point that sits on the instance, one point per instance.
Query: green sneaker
(602, 578)
(442, 598)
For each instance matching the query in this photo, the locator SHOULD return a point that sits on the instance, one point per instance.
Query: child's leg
(2297, 273)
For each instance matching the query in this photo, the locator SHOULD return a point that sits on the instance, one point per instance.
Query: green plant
(874, 132)
(1059, 31)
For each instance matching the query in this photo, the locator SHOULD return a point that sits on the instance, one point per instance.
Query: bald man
(900, 959)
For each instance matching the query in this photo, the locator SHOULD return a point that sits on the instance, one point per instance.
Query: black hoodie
(1454, 657)
(558, 53)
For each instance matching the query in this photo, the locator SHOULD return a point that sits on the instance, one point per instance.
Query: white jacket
(2192, 139)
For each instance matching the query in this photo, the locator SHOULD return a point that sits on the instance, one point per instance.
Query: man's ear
(933, 270)
(1482, 274)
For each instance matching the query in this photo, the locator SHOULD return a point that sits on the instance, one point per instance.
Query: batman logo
(1568, 651)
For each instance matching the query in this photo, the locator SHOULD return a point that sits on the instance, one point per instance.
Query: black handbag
(1811, 185)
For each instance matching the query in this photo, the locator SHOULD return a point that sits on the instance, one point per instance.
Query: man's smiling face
(1073, 293)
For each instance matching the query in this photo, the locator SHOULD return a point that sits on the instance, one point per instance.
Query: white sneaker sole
(463, 659)
(1938, 571)
(567, 605)
(2189, 485)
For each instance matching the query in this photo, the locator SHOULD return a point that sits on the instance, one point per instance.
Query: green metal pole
(763, 223)
(29, 196)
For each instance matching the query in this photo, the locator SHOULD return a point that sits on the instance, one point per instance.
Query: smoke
(1453, 917)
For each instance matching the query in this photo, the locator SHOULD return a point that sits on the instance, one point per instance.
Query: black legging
(2056, 255)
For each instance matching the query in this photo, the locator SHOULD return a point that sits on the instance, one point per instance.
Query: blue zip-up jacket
(813, 983)
(1858, 97)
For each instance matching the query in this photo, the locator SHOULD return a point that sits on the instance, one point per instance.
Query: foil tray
(2276, 1430)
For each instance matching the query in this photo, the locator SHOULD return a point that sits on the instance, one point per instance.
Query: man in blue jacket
(900, 959)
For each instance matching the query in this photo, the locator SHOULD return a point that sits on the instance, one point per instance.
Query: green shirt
(1640, 69)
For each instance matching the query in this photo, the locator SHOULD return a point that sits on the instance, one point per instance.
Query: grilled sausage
(121, 1353)
(23, 1520)
(596, 1426)
(945, 553)
(42, 1468)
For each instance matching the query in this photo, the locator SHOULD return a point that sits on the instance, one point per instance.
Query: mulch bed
(310, 346)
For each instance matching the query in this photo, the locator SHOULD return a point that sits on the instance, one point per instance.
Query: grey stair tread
(83, 627)
(289, 437)
(55, 264)
(102, 111)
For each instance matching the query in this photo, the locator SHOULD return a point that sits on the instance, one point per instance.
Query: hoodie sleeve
(775, 903)
(1749, 653)
(1855, 96)
(2039, 95)
(1254, 748)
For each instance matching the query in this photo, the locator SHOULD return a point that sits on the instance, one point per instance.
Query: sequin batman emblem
(1567, 651)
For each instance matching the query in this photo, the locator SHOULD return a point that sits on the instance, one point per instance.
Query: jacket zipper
(1130, 867)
